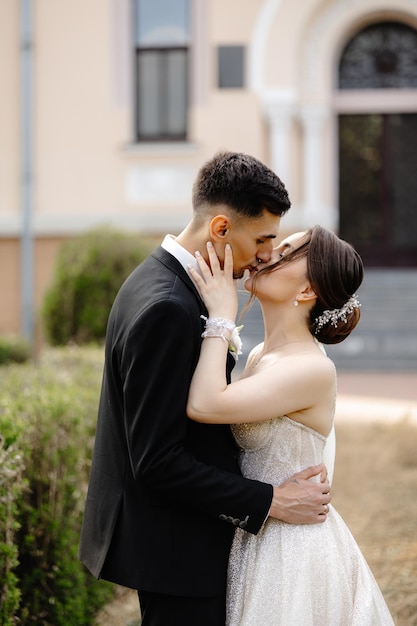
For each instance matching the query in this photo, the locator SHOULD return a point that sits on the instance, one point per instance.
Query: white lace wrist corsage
(224, 329)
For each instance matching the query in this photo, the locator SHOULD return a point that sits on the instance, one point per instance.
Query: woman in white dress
(281, 411)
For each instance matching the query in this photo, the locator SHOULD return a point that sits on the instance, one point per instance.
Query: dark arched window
(380, 56)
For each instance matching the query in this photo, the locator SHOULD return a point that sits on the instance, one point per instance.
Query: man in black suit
(165, 493)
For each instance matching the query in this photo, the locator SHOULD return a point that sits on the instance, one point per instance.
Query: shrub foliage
(11, 488)
(14, 350)
(89, 271)
(47, 421)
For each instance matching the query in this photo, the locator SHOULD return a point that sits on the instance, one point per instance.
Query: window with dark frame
(161, 69)
(380, 56)
(231, 67)
(377, 156)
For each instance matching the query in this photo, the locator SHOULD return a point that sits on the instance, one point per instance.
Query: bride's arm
(274, 391)
(218, 290)
(298, 500)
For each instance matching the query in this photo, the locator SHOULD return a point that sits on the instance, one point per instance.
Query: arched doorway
(377, 122)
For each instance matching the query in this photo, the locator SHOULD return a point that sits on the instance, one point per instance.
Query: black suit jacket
(165, 493)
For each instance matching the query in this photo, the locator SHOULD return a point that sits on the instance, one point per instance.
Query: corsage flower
(235, 343)
(221, 327)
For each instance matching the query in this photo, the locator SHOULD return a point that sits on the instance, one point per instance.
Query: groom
(165, 493)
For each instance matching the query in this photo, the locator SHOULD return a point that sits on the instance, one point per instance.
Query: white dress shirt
(171, 245)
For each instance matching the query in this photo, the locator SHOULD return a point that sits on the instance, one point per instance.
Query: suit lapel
(175, 266)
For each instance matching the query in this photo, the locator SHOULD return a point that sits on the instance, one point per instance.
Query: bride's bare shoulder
(313, 365)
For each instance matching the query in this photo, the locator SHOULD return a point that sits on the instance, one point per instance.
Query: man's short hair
(241, 182)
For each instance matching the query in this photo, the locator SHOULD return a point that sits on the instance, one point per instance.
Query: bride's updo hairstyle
(335, 272)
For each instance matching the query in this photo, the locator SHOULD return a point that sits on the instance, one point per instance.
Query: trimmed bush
(47, 421)
(14, 350)
(89, 272)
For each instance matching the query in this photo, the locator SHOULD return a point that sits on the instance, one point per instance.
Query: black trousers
(159, 609)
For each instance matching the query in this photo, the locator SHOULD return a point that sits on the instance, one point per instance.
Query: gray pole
(27, 169)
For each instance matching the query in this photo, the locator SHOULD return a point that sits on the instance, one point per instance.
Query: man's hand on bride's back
(300, 500)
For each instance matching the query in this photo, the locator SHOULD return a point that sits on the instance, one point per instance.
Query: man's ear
(219, 227)
(306, 294)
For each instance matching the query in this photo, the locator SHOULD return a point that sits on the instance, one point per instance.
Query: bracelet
(217, 326)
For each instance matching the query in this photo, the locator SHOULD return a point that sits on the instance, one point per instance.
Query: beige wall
(10, 314)
(44, 254)
(9, 111)
(79, 130)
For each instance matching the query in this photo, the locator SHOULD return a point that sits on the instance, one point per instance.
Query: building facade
(109, 107)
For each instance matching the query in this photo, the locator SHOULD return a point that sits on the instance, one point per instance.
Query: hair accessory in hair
(333, 316)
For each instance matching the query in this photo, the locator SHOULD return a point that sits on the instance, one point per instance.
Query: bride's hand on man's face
(216, 285)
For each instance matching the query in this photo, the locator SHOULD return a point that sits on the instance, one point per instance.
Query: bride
(281, 411)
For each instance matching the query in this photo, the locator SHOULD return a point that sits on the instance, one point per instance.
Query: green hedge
(11, 488)
(14, 350)
(47, 422)
(88, 273)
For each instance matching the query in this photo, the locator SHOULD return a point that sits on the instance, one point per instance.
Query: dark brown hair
(335, 272)
(242, 183)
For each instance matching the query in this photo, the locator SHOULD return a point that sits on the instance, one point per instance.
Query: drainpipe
(26, 47)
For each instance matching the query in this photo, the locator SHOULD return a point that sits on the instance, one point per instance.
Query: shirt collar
(171, 245)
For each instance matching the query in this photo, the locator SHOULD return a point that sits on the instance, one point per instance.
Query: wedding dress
(305, 575)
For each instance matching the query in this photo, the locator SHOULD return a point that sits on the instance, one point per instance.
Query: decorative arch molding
(278, 104)
(281, 107)
(330, 31)
(259, 44)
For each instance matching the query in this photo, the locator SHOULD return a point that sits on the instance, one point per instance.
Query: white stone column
(279, 108)
(314, 210)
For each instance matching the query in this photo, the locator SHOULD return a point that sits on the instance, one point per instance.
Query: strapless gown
(287, 575)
